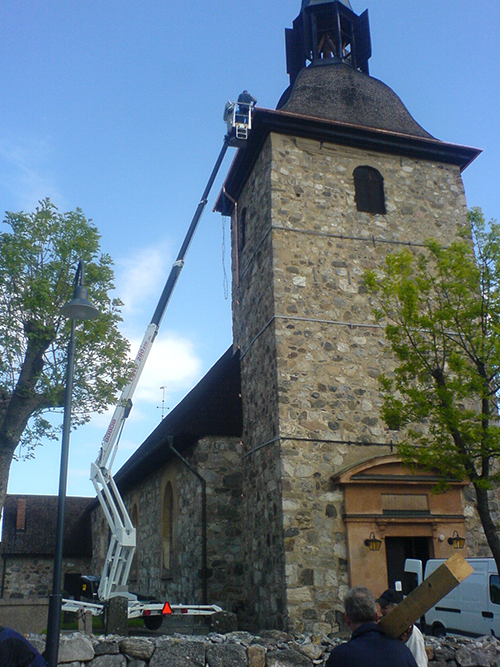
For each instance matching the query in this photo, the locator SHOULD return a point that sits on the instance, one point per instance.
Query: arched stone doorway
(397, 505)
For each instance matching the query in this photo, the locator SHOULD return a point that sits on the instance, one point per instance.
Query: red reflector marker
(167, 609)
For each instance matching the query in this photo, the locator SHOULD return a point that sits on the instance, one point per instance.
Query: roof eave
(267, 121)
(154, 452)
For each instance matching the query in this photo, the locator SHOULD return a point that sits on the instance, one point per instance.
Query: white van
(472, 608)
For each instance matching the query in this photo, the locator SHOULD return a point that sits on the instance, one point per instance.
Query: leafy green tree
(38, 258)
(441, 308)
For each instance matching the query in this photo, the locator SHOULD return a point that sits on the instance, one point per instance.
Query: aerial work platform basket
(238, 117)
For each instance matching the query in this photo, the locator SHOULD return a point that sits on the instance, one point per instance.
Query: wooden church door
(398, 549)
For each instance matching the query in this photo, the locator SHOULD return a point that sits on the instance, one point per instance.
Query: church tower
(334, 179)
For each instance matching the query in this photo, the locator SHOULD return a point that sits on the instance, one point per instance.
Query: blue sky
(115, 106)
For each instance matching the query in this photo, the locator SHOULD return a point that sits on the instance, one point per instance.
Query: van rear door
(493, 611)
(414, 566)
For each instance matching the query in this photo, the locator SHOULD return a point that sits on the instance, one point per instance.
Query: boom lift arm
(123, 540)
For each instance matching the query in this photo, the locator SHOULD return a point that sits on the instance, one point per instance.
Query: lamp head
(80, 308)
(456, 541)
(373, 543)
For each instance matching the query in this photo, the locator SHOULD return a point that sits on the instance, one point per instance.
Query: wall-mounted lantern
(372, 543)
(456, 541)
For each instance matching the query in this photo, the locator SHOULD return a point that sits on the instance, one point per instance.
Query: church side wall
(218, 460)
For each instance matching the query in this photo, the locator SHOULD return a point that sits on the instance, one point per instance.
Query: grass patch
(69, 622)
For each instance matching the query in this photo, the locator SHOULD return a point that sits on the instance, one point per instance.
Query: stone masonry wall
(218, 460)
(31, 576)
(311, 351)
(476, 540)
(322, 247)
(330, 349)
(253, 332)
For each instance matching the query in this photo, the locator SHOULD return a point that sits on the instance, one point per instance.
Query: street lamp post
(79, 308)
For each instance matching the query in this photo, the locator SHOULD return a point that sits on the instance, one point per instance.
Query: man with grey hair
(368, 644)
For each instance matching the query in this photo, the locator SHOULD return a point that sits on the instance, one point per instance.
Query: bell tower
(327, 32)
(334, 179)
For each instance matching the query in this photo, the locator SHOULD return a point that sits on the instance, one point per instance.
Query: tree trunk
(6, 456)
(490, 530)
(11, 429)
(24, 401)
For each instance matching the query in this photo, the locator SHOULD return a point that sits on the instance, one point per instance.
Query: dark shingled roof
(212, 408)
(340, 93)
(29, 526)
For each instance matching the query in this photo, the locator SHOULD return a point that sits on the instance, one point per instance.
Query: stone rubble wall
(311, 354)
(240, 649)
(27, 577)
(253, 308)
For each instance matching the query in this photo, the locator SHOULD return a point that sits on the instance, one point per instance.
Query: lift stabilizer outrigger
(116, 570)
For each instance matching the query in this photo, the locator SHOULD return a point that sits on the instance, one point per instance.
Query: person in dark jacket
(16, 651)
(245, 103)
(368, 646)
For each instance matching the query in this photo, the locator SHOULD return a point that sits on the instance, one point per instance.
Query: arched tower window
(242, 230)
(369, 187)
(135, 520)
(168, 530)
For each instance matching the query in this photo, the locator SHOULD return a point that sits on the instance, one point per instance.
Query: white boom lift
(116, 570)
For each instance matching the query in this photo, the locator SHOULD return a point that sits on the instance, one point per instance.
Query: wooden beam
(443, 580)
